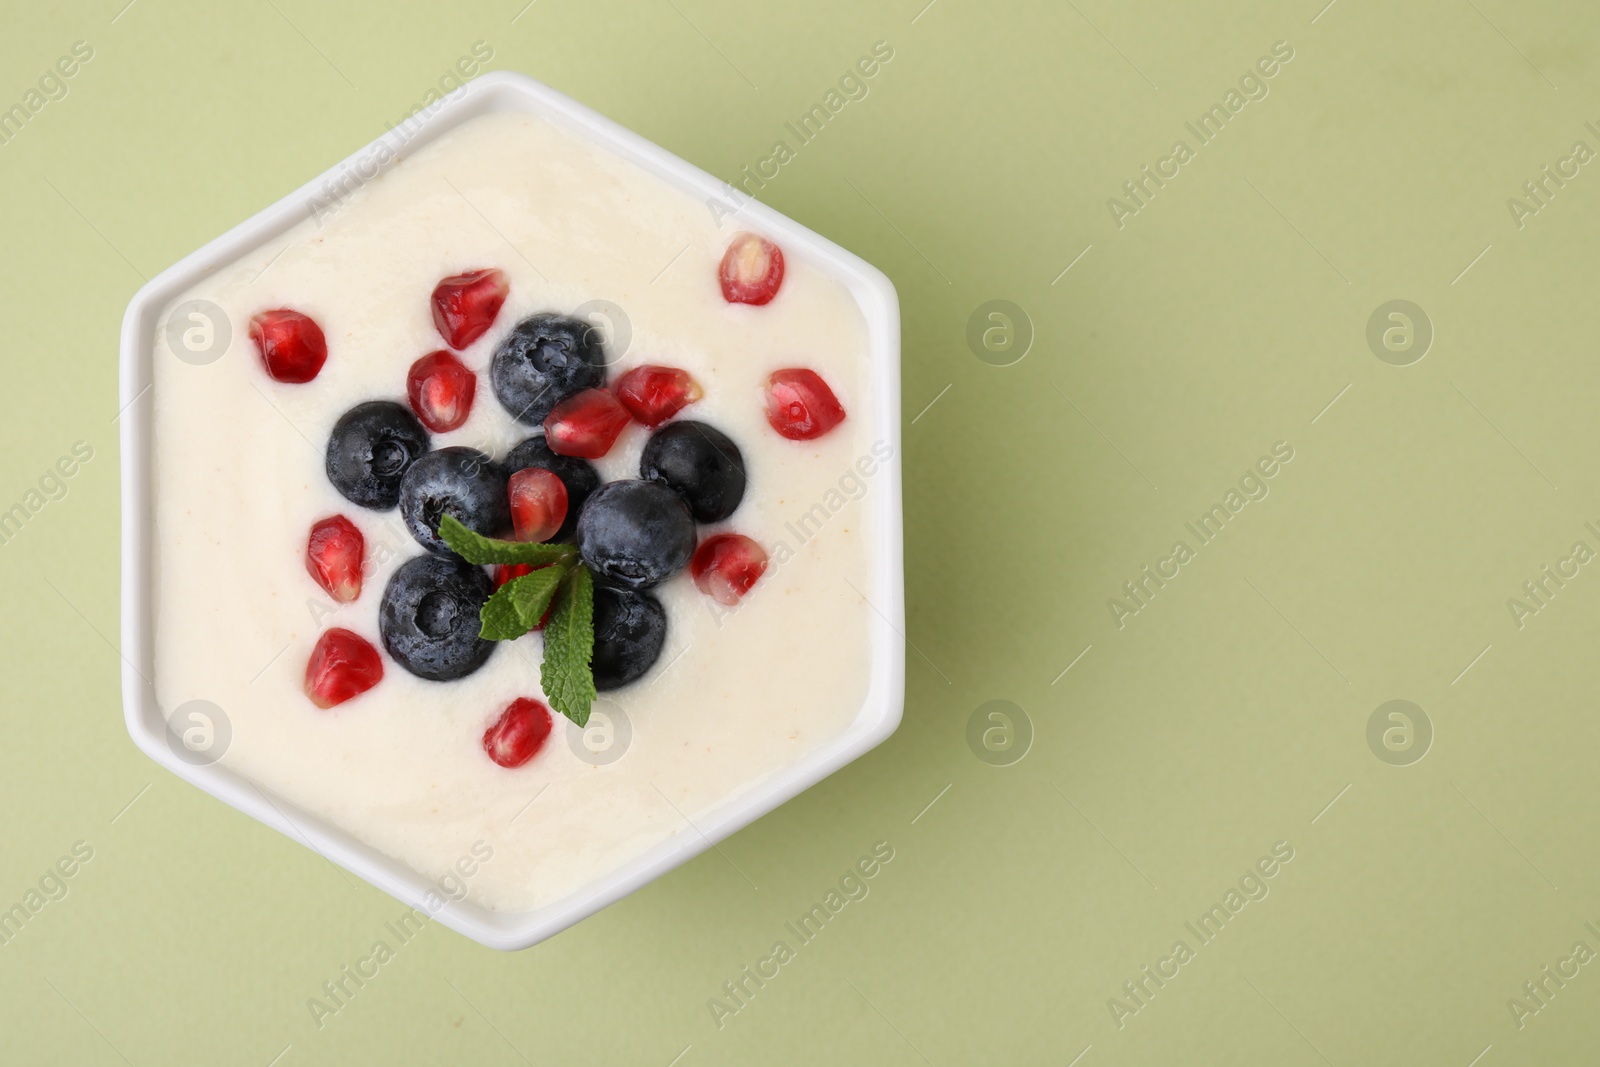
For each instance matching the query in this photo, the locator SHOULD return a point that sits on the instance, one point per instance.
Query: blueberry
(543, 360)
(701, 463)
(578, 475)
(369, 451)
(429, 617)
(635, 534)
(629, 630)
(461, 481)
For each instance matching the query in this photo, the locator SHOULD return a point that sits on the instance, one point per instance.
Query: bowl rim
(881, 709)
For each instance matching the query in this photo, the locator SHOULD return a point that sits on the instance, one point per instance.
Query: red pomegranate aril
(800, 406)
(291, 345)
(441, 388)
(333, 557)
(519, 733)
(464, 305)
(538, 504)
(504, 572)
(585, 424)
(343, 665)
(654, 394)
(751, 271)
(726, 566)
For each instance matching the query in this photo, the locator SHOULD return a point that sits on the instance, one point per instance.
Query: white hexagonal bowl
(879, 713)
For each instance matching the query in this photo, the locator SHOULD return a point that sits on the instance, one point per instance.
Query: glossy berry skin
(291, 344)
(700, 463)
(726, 566)
(441, 388)
(461, 481)
(585, 424)
(751, 270)
(538, 504)
(465, 305)
(429, 617)
(542, 361)
(333, 557)
(630, 630)
(519, 733)
(579, 476)
(800, 406)
(371, 448)
(653, 394)
(343, 664)
(635, 535)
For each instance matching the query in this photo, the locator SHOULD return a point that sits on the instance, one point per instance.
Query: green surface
(1224, 316)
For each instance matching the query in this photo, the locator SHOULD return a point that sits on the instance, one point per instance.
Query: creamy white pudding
(737, 694)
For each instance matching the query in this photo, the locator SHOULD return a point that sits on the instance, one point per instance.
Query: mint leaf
(516, 607)
(476, 548)
(561, 584)
(565, 676)
(499, 620)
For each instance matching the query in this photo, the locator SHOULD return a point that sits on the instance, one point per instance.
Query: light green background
(1225, 717)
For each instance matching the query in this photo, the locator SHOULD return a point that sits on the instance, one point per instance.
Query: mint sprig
(476, 548)
(516, 607)
(566, 675)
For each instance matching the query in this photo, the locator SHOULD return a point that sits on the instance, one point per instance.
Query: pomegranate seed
(538, 504)
(585, 424)
(800, 406)
(504, 572)
(519, 733)
(752, 270)
(724, 567)
(654, 394)
(464, 305)
(333, 557)
(441, 388)
(291, 344)
(343, 665)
